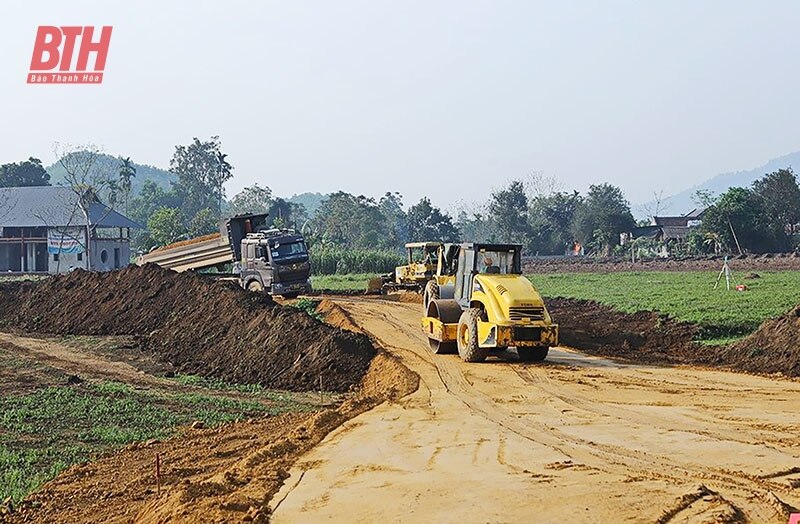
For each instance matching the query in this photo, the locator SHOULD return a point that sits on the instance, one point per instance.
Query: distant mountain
(681, 203)
(143, 172)
(311, 201)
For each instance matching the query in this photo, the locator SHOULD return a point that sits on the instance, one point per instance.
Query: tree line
(536, 213)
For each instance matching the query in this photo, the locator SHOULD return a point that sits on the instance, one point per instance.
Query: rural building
(678, 228)
(43, 230)
(674, 229)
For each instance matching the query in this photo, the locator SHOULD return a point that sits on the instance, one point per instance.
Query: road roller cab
(493, 307)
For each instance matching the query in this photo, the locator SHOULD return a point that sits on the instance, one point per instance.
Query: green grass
(46, 431)
(309, 306)
(723, 316)
(355, 281)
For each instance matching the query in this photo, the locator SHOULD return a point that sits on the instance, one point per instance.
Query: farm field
(722, 315)
(350, 282)
(67, 400)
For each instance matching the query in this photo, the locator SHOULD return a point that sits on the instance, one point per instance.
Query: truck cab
(275, 260)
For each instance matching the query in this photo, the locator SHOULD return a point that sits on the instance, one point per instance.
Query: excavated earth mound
(774, 348)
(645, 336)
(199, 325)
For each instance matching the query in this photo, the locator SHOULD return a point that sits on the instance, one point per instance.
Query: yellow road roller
(490, 307)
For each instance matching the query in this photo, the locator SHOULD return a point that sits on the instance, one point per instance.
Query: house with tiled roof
(45, 230)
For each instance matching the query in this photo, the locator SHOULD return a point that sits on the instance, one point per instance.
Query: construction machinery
(263, 258)
(422, 263)
(442, 283)
(493, 307)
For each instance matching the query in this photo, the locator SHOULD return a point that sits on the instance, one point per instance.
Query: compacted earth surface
(578, 437)
(630, 420)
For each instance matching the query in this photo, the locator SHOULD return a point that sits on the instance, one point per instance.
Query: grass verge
(355, 281)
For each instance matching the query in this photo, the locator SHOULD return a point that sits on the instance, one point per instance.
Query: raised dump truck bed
(202, 253)
(208, 251)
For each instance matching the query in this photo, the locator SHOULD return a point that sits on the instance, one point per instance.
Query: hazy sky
(441, 98)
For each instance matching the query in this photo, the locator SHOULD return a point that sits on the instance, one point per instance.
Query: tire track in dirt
(628, 437)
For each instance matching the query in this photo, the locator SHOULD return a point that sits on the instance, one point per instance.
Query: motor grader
(493, 307)
(422, 263)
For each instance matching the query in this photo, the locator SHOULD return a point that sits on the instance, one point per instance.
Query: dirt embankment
(227, 474)
(199, 325)
(653, 338)
(767, 262)
(774, 348)
(645, 336)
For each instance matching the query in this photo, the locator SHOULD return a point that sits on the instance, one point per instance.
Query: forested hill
(683, 202)
(143, 172)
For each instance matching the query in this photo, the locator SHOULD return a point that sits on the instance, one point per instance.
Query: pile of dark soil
(774, 348)
(645, 336)
(199, 325)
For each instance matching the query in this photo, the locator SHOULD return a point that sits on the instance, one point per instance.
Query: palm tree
(126, 172)
(224, 174)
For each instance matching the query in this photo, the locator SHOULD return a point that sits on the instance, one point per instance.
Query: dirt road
(576, 438)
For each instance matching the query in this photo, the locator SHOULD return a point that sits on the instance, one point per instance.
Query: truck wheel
(255, 286)
(533, 354)
(467, 338)
(431, 293)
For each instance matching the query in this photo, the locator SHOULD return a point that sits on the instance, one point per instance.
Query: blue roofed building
(44, 230)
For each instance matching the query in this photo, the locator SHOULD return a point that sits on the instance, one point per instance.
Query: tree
(202, 170)
(551, 218)
(780, 199)
(151, 197)
(87, 175)
(601, 217)
(538, 185)
(166, 226)
(391, 207)
(703, 198)
(654, 207)
(286, 214)
(350, 221)
(508, 209)
(126, 172)
(224, 173)
(427, 222)
(736, 222)
(24, 174)
(203, 223)
(253, 199)
(472, 221)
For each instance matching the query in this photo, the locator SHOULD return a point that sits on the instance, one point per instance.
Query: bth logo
(55, 60)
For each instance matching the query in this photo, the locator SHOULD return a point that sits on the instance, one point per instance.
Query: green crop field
(353, 281)
(47, 425)
(723, 315)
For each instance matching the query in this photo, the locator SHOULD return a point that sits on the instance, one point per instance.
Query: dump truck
(422, 261)
(263, 258)
(492, 307)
